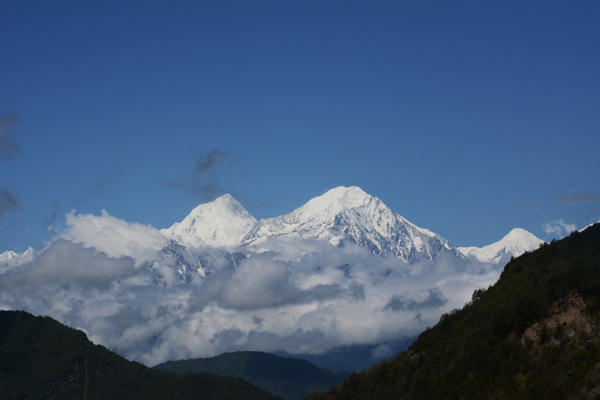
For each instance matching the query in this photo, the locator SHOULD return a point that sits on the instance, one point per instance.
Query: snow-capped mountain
(10, 259)
(220, 223)
(11, 256)
(351, 215)
(517, 242)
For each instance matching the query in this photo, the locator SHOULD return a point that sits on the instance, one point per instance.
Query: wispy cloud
(8, 146)
(578, 197)
(51, 219)
(205, 180)
(522, 203)
(8, 201)
(101, 186)
(559, 227)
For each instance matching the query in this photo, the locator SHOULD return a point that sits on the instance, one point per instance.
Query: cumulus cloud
(8, 202)
(298, 296)
(578, 197)
(559, 228)
(8, 145)
(260, 281)
(67, 263)
(113, 236)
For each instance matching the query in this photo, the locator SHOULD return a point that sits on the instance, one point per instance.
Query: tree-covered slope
(533, 335)
(42, 359)
(290, 378)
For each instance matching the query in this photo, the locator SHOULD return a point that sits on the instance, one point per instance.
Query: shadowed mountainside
(42, 359)
(290, 378)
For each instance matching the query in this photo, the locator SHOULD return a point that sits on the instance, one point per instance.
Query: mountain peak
(221, 223)
(345, 194)
(350, 215)
(515, 243)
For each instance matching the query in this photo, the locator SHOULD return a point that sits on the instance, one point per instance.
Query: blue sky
(466, 118)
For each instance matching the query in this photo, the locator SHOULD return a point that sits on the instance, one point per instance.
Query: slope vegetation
(535, 334)
(290, 378)
(42, 359)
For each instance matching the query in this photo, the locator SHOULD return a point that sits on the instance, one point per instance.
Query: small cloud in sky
(8, 146)
(578, 197)
(522, 203)
(50, 220)
(559, 227)
(205, 179)
(99, 187)
(8, 201)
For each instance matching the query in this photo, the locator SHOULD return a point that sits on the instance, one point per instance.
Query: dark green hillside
(290, 378)
(43, 359)
(535, 334)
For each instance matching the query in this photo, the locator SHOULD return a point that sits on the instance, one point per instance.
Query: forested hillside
(533, 335)
(290, 378)
(42, 359)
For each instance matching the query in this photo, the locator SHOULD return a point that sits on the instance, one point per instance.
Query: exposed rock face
(567, 315)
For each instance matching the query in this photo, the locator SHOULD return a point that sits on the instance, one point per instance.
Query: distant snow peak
(220, 223)
(349, 214)
(10, 259)
(517, 242)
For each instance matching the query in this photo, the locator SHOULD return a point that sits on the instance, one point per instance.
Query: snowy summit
(517, 242)
(220, 223)
(349, 214)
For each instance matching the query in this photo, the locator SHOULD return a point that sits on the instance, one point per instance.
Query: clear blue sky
(467, 118)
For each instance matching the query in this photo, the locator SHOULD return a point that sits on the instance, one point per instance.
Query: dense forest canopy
(42, 359)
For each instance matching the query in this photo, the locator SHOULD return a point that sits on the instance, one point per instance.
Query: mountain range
(342, 215)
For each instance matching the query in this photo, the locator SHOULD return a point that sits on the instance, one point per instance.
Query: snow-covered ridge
(583, 229)
(10, 259)
(351, 215)
(220, 223)
(10, 255)
(517, 242)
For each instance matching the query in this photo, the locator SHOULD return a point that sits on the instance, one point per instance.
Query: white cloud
(113, 236)
(559, 228)
(303, 297)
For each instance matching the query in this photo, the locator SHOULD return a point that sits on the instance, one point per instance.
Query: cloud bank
(301, 296)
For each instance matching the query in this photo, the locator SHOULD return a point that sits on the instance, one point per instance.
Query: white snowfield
(517, 242)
